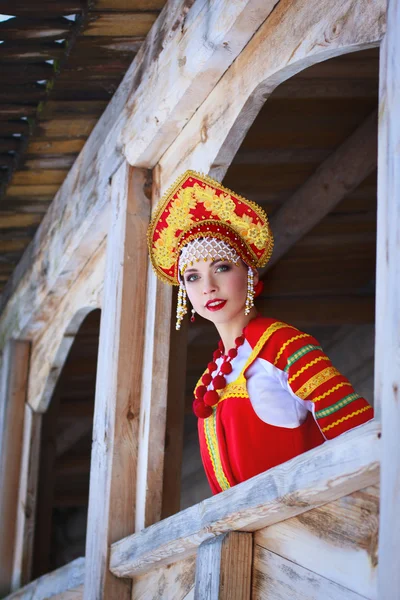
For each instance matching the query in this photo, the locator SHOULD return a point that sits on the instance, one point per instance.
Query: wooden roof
(60, 63)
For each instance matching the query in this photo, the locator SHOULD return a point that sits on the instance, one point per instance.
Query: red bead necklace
(206, 399)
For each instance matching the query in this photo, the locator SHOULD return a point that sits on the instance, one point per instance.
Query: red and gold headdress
(197, 206)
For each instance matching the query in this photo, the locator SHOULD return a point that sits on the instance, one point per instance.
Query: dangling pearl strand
(250, 291)
(206, 399)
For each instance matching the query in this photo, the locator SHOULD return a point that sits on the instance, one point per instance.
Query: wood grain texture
(387, 349)
(15, 368)
(223, 567)
(338, 541)
(66, 583)
(153, 398)
(278, 578)
(324, 474)
(76, 212)
(117, 404)
(173, 582)
(27, 497)
(59, 323)
(296, 35)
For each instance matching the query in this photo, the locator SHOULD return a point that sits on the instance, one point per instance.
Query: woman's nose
(209, 286)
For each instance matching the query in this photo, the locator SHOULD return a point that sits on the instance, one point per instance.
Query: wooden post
(13, 394)
(223, 568)
(117, 406)
(26, 506)
(387, 348)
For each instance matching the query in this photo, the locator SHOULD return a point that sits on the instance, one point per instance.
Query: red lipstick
(215, 304)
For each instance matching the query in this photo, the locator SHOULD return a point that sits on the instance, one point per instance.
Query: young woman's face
(217, 289)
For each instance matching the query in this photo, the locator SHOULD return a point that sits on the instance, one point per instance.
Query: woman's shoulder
(261, 329)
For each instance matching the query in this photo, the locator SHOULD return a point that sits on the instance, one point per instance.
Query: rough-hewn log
(387, 348)
(336, 177)
(223, 567)
(65, 583)
(297, 35)
(324, 474)
(12, 410)
(174, 582)
(118, 383)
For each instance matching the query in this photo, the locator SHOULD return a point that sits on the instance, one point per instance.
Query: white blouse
(270, 394)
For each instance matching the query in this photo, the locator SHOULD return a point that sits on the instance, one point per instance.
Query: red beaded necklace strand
(206, 399)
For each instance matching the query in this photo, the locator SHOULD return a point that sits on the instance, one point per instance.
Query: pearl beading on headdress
(205, 249)
(250, 291)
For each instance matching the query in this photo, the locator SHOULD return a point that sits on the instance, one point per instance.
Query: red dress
(235, 444)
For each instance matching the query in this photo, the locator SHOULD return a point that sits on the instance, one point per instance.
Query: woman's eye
(192, 277)
(222, 268)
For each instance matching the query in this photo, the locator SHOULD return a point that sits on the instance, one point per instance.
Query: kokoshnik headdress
(198, 207)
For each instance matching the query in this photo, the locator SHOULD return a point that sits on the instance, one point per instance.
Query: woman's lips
(215, 304)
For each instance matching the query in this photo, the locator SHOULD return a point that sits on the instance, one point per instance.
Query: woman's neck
(230, 331)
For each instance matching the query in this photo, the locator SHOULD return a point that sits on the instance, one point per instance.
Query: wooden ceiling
(60, 63)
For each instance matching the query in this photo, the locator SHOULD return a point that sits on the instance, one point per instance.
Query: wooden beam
(387, 345)
(277, 577)
(336, 177)
(335, 469)
(117, 404)
(292, 39)
(223, 567)
(27, 497)
(15, 369)
(74, 219)
(64, 583)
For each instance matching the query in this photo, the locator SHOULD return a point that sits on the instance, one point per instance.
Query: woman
(269, 392)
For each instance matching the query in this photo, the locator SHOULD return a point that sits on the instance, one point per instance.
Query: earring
(181, 308)
(193, 318)
(250, 291)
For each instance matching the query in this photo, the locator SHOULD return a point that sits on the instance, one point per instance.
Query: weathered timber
(27, 497)
(154, 395)
(125, 24)
(14, 379)
(65, 583)
(223, 567)
(49, 7)
(117, 405)
(322, 475)
(277, 577)
(387, 349)
(124, 5)
(88, 178)
(22, 28)
(331, 540)
(174, 582)
(14, 52)
(292, 39)
(338, 175)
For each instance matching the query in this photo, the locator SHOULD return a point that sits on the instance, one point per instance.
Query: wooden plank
(52, 7)
(65, 583)
(128, 24)
(276, 577)
(338, 175)
(39, 177)
(82, 200)
(324, 474)
(387, 370)
(174, 582)
(15, 369)
(171, 492)
(223, 567)
(27, 496)
(338, 541)
(22, 28)
(54, 147)
(117, 405)
(127, 5)
(292, 39)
